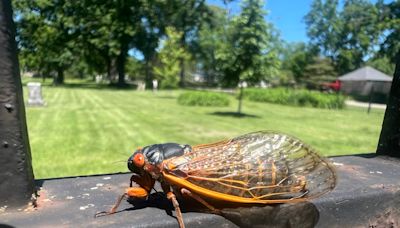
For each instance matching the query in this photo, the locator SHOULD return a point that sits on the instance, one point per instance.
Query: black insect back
(155, 154)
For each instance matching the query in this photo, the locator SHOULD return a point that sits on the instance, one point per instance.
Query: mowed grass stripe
(121, 115)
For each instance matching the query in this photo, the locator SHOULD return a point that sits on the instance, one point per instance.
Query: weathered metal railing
(389, 141)
(16, 175)
(367, 193)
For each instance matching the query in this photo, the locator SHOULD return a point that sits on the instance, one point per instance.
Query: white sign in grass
(35, 94)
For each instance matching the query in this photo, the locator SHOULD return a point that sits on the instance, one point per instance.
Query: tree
(319, 71)
(101, 32)
(249, 45)
(389, 28)
(324, 26)
(248, 54)
(187, 17)
(210, 42)
(43, 34)
(359, 34)
(135, 69)
(348, 37)
(151, 29)
(170, 57)
(108, 28)
(296, 57)
(383, 64)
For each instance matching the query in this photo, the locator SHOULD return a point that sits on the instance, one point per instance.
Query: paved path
(364, 104)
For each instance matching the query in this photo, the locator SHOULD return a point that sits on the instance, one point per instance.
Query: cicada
(257, 168)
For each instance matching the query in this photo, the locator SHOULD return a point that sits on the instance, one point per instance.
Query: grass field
(93, 130)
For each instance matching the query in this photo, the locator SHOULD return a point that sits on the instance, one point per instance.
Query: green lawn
(93, 130)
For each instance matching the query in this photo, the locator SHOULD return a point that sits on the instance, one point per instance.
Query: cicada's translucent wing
(264, 167)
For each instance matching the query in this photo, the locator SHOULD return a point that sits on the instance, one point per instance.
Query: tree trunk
(148, 76)
(43, 76)
(182, 74)
(108, 61)
(113, 70)
(182, 63)
(16, 175)
(81, 75)
(59, 77)
(121, 60)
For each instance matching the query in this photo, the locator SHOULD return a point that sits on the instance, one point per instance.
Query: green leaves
(348, 36)
(202, 98)
(245, 50)
(43, 32)
(170, 56)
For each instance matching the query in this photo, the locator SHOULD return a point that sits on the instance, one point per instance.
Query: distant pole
(240, 98)
(371, 91)
(389, 140)
(16, 175)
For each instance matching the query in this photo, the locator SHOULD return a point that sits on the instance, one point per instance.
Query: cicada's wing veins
(261, 167)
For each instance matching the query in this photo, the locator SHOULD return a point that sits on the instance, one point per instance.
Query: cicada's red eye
(138, 160)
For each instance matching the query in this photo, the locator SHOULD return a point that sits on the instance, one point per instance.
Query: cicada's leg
(184, 191)
(134, 192)
(146, 184)
(144, 181)
(113, 209)
(171, 196)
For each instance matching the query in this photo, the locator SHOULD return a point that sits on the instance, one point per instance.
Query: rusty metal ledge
(367, 195)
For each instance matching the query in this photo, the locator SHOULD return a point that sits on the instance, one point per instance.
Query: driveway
(364, 104)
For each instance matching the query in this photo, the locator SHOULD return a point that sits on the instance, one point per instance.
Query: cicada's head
(141, 164)
(136, 162)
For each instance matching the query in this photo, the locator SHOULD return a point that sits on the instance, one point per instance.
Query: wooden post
(16, 175)
(389, 140)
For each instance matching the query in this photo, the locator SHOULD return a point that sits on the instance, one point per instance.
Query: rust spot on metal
(42, 198)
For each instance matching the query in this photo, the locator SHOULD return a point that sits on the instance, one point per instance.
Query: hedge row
(200, 98)
(293, 97)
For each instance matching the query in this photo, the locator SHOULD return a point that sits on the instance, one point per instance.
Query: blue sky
(286, 15)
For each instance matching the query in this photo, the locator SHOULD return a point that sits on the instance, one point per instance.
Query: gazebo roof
(366, 74)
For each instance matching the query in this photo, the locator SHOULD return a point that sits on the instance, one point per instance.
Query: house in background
(365, 81)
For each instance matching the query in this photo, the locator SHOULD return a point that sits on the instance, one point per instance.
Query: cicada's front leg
(145, 185)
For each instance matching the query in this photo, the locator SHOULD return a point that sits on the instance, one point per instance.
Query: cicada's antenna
(124, 155)
(115, 162)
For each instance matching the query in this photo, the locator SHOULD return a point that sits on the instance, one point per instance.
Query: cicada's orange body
(256, 168)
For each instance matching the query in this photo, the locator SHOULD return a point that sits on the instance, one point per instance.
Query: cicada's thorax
(156, 154)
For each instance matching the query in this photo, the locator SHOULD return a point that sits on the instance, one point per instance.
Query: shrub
(197, 98)
(304, 98)
(278, 96)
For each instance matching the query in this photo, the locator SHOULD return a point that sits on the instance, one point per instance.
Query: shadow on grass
(166, 97)
(234, 114)
(91, 85)
(97, 86)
